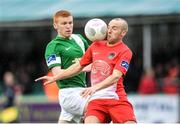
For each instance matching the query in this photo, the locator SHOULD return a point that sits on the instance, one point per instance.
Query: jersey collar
(118, 43)
(61, 37)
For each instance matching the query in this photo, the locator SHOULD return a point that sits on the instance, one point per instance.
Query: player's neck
(61, 36)
(114, 43)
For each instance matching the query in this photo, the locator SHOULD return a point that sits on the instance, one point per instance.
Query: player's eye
(64, 23)
(109, 27)
(114, 28)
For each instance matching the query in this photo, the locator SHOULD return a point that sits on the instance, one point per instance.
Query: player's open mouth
(109, 36)
(69, 31)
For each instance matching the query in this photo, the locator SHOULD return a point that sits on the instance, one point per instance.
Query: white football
(95, 29)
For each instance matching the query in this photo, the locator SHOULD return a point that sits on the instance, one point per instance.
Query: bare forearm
(108, 81)
(87, 68)
(69, 72)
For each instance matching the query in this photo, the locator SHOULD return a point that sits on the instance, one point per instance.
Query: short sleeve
(124, 61)
(52, 56)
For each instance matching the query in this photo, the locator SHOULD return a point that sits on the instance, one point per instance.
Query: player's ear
(124, 33)
(55, 25)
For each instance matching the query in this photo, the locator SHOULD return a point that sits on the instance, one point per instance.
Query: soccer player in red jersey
(110, 61)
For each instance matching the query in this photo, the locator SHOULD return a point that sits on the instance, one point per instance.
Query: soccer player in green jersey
(61, 53)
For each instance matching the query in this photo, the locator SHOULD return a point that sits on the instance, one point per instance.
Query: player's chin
(109, 38)
(68, 34)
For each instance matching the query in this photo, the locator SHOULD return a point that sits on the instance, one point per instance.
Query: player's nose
(109, 30)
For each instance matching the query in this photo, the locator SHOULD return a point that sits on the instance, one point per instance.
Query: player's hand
(88, 92)
(47, 79)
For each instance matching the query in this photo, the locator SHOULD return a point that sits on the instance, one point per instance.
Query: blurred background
(153, 79)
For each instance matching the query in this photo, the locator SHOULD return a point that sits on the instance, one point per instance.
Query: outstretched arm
(69, 72)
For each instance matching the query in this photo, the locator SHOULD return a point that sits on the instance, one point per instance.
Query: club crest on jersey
(111, 55)
(51, 58)
(125, 65)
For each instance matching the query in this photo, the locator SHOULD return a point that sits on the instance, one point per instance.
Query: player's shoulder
(53, 43)
(124, 46)
(126, 49)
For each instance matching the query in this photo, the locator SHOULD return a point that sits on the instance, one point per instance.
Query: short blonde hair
(124, 23)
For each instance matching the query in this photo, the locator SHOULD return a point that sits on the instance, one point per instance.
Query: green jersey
(62, 52)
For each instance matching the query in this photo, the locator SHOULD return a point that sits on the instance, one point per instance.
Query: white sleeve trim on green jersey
(79, 41)
(56, 61)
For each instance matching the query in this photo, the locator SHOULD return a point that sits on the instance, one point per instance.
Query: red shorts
(109, 109)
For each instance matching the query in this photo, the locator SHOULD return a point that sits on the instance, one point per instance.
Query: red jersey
(104, 60)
